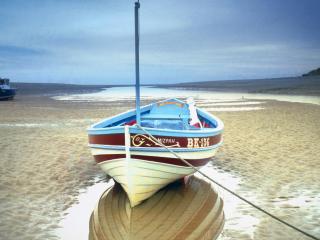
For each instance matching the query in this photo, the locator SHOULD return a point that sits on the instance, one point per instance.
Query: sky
(92, 42)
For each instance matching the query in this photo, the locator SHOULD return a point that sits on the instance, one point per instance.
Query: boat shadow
(181, 210)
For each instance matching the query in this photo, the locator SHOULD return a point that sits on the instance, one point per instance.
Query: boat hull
(141, 179)
(149, 167)
(135, 156)
(6, 94)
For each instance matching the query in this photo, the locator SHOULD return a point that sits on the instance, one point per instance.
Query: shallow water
(148, 93)
(59, 124)
(77, 216)
(76, 223)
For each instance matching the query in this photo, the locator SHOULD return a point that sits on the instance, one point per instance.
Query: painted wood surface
(142, 140)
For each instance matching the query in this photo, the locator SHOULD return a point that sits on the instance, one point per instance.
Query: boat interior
(170, 114)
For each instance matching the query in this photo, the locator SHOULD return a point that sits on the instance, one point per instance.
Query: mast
(136, 22)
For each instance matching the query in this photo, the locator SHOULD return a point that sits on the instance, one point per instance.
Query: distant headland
(315, 72)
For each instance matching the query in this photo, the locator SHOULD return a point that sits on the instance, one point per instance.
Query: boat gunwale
(96, 128)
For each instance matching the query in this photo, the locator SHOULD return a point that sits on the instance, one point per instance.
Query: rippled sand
(272, 154)
(276, 154)
(44, 163)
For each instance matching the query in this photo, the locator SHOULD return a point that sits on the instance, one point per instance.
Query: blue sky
(92, 42)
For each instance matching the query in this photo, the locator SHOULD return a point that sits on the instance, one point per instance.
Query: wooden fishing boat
(138, 162)
(191, 210)
(6, 91)
(130, 148)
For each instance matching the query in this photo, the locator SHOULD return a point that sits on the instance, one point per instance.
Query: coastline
(52, 89)
(307, 86)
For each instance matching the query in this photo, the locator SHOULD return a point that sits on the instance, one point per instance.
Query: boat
(190, 210)
(148, 147)
(6, 91)
(138, 162)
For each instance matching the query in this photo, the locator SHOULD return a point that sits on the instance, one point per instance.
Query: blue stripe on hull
(205, 132)
(157, 149)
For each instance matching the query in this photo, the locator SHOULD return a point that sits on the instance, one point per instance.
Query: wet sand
(275, 152)
(45, 164)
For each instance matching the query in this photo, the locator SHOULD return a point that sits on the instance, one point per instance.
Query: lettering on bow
(140, 140)
(198, 142)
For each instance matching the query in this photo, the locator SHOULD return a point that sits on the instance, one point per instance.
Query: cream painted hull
(185, 155)
(141, 179)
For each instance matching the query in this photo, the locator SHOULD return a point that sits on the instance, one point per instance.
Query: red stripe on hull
(141, 140)
(110, 139)
(173, 161)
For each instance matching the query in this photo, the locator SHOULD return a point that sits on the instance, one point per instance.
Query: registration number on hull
(198, 142)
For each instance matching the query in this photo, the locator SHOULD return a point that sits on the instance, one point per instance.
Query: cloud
(180, 40)
(16, 51)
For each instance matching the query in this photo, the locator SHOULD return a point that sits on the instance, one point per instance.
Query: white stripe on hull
(140, 178)
(185, 155)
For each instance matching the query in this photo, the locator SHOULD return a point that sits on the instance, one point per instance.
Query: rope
(228, 190)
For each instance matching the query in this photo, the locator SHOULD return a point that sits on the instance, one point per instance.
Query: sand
(45, 163)
(275, 152)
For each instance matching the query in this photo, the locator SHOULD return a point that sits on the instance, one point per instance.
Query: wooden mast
(136, 21)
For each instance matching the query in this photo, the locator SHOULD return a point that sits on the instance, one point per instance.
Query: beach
(270, 150)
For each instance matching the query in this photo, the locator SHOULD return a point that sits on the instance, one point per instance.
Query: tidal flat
(270, 156)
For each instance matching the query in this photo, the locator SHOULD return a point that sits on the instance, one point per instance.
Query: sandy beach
(45, 163)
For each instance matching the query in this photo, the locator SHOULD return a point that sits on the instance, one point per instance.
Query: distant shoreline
(52, 89)
(309, 86)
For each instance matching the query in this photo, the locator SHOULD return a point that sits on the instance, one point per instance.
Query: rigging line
(228, 190)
